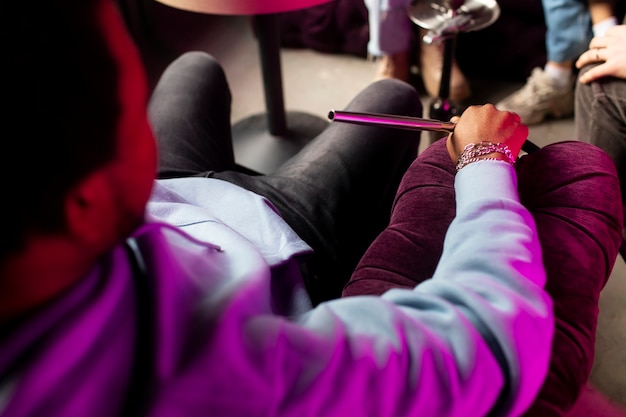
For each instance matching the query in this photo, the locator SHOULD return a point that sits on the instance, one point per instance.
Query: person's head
(79, 156)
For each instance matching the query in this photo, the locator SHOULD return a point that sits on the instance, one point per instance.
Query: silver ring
(597, 54)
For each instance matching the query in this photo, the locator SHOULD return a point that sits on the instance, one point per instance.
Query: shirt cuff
(485, 179)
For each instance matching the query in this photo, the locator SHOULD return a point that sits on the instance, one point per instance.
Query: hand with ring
(609, 51)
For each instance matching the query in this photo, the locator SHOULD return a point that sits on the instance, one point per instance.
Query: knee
(199, 60)
(194, 71)
(396, 97)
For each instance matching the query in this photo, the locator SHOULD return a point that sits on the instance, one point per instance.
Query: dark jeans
(572, 191)
(336, 193)
(601, 120)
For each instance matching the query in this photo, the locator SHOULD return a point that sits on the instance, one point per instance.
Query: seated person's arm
(475, 337)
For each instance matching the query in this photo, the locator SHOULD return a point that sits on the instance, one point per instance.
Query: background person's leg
(190, 114)
(337, 192)
(601, 120)
(568, 29)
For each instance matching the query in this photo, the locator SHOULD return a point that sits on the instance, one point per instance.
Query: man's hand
(609, 51)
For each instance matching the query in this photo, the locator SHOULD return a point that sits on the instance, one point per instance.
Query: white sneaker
(540, 98)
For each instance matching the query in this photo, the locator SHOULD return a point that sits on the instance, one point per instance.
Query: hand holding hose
(486, 124)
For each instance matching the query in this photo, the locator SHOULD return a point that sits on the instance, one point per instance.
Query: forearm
(491, 268)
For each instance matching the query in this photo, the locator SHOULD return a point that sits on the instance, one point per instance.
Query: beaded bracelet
(473, 151)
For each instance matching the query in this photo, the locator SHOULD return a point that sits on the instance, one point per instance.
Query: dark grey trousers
(601, 121)
(336, 193)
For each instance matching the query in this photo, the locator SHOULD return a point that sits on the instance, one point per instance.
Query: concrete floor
(315, 83)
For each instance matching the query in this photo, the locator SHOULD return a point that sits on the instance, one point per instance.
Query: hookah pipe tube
(404, 122)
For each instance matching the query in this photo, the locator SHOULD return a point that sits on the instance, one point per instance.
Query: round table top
(241, 7)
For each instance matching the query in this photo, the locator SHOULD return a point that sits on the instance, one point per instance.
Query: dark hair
(61, 111)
